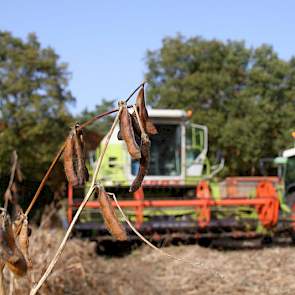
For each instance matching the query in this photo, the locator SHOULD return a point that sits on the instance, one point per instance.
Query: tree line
(246, 97)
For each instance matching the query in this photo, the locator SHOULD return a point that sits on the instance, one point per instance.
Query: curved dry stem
(93, 185)
(12, 175)
(162, 252)
(58, 155)
(143, 133)
(141, 85)
(45, 178)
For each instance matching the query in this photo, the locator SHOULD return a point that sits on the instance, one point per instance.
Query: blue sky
(104, 42)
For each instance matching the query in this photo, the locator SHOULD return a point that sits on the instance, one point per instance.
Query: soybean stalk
(88, 195)
(2, 284)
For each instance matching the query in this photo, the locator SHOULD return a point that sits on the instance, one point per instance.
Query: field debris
(144, 271)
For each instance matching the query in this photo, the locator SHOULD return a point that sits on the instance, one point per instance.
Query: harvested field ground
(81, 271)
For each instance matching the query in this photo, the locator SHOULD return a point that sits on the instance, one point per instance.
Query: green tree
(102, 125)
(246, 96)
(33, 103)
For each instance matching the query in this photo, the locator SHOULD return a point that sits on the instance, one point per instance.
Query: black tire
(205, 242)
(266, 241)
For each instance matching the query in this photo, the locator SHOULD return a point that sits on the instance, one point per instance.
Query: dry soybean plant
(135, 129)
(14, 234)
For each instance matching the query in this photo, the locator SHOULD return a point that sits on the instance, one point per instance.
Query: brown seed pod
(10, 253)
(81, 169)
(144, 164)
(135, 125)
(128, 134)
(69, 160)
(119, 135)
(24, 242)
(110, 219)
(17, 264)
(5, 250)
(136, 129)
(148, 125)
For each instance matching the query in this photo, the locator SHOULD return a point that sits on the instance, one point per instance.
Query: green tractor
(286, 171)
(286, 164)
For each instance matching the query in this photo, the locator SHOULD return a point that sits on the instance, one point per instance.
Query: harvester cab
(178, 153)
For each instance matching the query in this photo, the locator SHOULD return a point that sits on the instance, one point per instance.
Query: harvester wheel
(266, 240)
(205, 242)
(268, 212)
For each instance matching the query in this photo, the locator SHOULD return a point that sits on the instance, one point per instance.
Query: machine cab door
(196, 149)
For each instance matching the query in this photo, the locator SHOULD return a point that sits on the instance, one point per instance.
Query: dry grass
(81, 271)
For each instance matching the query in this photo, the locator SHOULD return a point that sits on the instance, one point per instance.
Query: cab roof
(289, 153)
(166, 113)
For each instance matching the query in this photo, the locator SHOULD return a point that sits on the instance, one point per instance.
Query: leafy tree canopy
(246, 96)
(33, 103)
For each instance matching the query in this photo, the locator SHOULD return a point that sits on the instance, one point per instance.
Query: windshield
(165, 159)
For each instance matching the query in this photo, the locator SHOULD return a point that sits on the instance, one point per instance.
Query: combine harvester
(181, 197)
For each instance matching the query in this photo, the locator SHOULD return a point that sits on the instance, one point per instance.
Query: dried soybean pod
(147, 124)
(128, 134)
(119, 135)
(136, 128)
(110, 219)
(15, 260)
(5, 250)
(135, 124)
(144, 164)
(24, 242)
(69, 160)
(82, 172)
(137, 137)
(17, 263)
(151, 128)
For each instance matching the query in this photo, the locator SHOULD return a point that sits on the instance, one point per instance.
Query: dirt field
(81, 271)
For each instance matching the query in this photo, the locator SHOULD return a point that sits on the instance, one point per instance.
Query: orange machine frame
(266, 201)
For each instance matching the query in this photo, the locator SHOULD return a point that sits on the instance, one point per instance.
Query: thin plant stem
(143, 133)
(12, 175)
(132, 93)
(45, 178)
(95, 118)
(57, 157)
(162, 252)
(93, 185)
